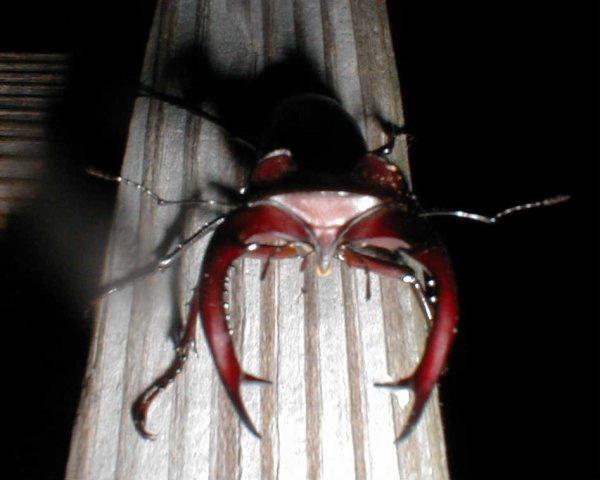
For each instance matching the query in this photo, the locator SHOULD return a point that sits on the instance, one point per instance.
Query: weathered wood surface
(319, 341)
(31, 86)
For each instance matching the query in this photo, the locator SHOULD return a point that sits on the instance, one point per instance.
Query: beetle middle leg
(162, 263)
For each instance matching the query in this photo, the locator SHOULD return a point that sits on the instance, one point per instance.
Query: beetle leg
(162, 264)
(356, 260)
(376, 260)
(289, 250)
(443, 319)
(265, 269)
(410, 278)
(221, 347)
(142, 404)
(392, 131)
(179, 102)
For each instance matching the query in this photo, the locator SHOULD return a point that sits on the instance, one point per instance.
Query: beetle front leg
(162, 263)
(380, 261)
(278, 252)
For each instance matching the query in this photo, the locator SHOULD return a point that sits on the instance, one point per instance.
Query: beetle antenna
(494, 218)
(157, 198)
(149, 92)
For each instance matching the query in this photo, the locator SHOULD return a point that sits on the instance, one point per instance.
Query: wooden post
(31, 87)
(319, 341)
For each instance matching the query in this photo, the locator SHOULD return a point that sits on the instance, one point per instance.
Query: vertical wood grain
(32, 88)
(319, 340)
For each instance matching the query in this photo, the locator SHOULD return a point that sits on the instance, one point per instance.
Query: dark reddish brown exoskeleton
(317, 191)
(301, 201)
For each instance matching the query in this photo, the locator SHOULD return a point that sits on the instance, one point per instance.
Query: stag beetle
(306, 197)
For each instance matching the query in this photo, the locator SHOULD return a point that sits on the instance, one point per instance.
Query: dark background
(502, 103)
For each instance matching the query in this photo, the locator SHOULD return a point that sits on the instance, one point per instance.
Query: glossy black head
(323, 138)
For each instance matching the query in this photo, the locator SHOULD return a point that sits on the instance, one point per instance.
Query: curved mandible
(440, 338)
(414, 236)
(229, 242)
